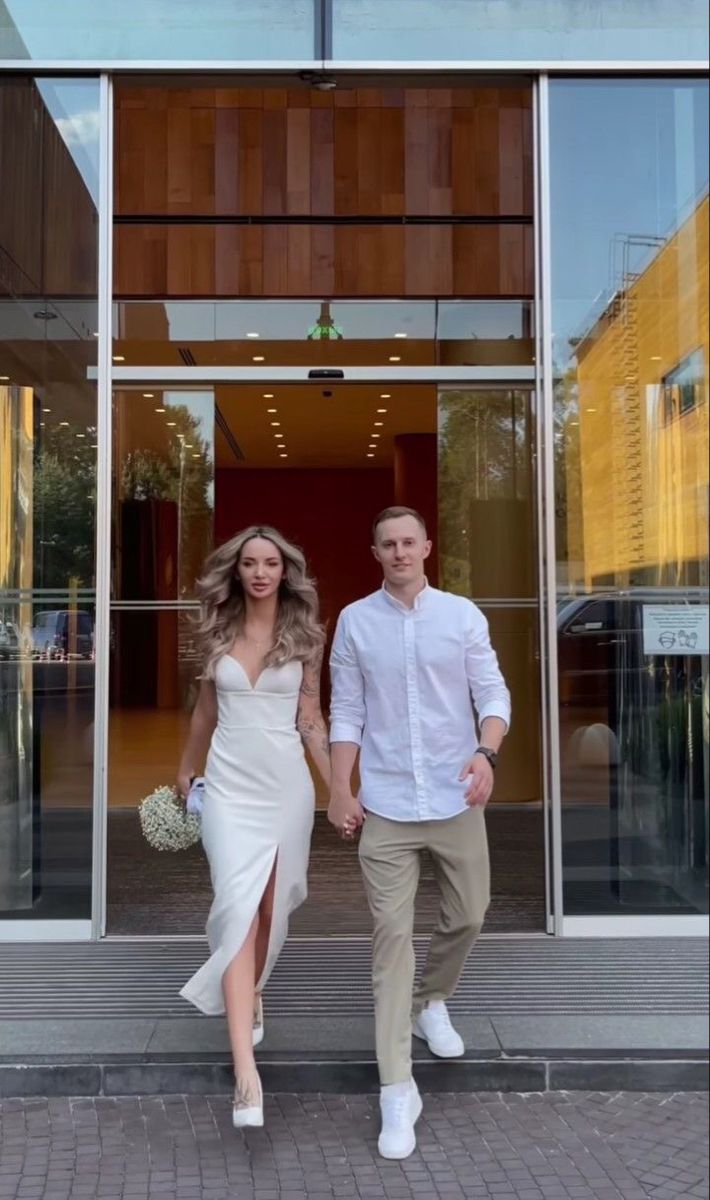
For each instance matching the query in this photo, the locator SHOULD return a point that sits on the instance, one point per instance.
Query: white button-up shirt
(404, 683)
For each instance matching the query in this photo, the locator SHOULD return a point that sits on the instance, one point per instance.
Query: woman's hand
(183, 783)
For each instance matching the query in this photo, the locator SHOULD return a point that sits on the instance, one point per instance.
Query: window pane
(163, 494)
(630, 315)
(161, 29)
(48, 284)
(519, 30)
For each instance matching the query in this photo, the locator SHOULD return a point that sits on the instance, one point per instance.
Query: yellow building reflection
(637, 490)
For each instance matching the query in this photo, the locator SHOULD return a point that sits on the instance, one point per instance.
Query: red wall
(328, 513)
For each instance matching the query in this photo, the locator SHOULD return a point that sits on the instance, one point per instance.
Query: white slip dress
(259, 803)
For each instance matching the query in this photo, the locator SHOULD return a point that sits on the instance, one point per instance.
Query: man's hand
(345, 813)
(479, 772)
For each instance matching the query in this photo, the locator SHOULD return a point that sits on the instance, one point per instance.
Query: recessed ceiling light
(81, 435)
(574, 422)
(195, 456)
(395, 358)
(272, 410)
(252, 335)
(4, 378)
(655, 358)
(379, 424)
(382, 410)
(258, 358)
(46, 410)
(374, 435)
(119, 358)
(149, 395)
(188, 445)
(400, 335)
(372, 446)
(267, 396)
(591, 410)
(63, 422)
(42, 424)
(160, 410)
(278, 435)
(385, 396)
(94, 445)
(283, 455)
(370, 456)
(275, 424)
(171, 423)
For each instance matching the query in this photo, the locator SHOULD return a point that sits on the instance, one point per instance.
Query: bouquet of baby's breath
(166, 823)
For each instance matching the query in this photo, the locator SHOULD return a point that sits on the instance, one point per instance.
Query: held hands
(345, 813)
(479, 772)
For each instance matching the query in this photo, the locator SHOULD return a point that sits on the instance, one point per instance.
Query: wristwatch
(489, 754)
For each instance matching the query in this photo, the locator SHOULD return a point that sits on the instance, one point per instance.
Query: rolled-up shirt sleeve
(490, 695)
(347, 706)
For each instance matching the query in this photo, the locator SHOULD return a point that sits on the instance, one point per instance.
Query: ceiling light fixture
(379, 424)
(267, 396)
(119, 358)
(149, 395)
(171, 423)
(45, 410)
(81, 435)
(283, 455)
(385, 395)
(275, 424)
(278, 435)
(195, 456)
(160, 410)
(253, 335)
(400, 335)
(258, 358)
(370, 456)
(63, 422)
(395, 358)
(382, 410)
(374, 435)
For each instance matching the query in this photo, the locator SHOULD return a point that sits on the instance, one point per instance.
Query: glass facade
(519, 30)
(630, 349)
(383, 230)
(126, 30)
(48, 326)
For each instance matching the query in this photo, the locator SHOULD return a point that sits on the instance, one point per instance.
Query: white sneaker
(434, 1027)
(401, 1108)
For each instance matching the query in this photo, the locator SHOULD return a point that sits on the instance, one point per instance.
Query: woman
(259, 703)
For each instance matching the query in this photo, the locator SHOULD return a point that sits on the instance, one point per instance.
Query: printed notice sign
(676, 628)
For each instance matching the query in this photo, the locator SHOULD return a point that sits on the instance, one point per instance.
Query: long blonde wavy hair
(298, 633)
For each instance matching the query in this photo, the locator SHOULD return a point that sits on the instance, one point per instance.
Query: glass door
(317, 459)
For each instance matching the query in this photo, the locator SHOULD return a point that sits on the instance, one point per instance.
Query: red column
(415, 483)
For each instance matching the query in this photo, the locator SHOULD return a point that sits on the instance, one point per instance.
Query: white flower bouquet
(166, 823)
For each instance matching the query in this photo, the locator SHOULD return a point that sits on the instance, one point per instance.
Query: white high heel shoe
(257, 1035)
(248, 1109)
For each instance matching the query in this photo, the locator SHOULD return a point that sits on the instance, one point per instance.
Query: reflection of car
(9, 641)
(63, 633)
(600, 640)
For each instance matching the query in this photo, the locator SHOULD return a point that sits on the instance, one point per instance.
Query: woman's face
(260, 568)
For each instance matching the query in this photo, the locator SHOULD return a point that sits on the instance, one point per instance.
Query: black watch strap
(489, 754)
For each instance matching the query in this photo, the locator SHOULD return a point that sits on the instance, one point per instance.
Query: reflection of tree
(484, 452)
(180, 471)
(64, 501)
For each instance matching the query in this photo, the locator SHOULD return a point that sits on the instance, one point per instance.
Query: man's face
(401, 549)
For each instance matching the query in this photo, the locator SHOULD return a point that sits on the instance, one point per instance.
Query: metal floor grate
(319, 976)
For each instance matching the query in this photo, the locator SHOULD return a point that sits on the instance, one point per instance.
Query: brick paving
(570, 1146)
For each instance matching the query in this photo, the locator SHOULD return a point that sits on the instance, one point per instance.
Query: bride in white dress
(259, 703)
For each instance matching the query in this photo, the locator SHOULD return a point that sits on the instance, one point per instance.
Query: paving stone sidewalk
(557, 1146)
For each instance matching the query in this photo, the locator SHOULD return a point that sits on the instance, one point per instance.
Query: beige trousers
(390, 854)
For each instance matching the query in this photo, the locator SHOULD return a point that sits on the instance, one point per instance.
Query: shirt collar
(420, 598)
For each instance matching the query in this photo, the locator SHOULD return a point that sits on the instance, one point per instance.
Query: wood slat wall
(349, 154)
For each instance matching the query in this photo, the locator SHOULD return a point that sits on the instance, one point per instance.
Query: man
(406, 664)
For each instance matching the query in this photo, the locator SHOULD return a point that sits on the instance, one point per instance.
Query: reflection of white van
(63, 633)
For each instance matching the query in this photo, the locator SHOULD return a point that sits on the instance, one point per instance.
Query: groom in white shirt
(408, 665)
